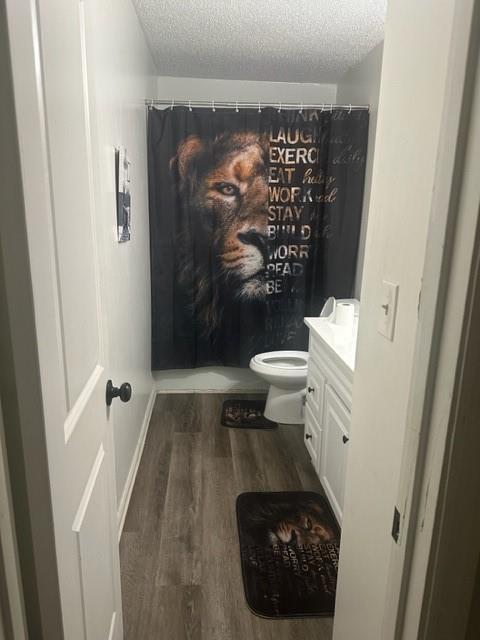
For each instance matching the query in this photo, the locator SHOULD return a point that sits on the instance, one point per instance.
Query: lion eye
(227, 189)
(309, 523)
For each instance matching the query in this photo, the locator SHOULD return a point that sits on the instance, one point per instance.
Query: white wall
(226, 378)
(248, 91)
(121, 75)
(361, 85)
(413, 86)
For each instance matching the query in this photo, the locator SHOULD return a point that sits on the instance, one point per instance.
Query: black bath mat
(245, 414)
(289, 544)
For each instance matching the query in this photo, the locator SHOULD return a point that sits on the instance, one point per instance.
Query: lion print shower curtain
(254, 222)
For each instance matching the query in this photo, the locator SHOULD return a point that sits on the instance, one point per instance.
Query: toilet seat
(288, 363)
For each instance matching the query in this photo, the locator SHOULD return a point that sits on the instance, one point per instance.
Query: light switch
(388, 309)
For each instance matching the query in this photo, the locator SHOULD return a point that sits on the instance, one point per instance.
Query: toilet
(286, 373)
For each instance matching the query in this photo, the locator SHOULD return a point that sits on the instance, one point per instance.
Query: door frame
(428, 471)
(12, 611)
(20, 387)
(455, 524)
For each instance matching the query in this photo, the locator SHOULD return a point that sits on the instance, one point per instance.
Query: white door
(50, 84)
(333, 460)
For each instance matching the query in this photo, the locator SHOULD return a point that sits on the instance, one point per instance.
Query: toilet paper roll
(344, 314)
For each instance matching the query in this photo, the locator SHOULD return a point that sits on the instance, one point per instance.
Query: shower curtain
(254, 222)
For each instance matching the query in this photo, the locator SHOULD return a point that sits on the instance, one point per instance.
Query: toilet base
(285, 405)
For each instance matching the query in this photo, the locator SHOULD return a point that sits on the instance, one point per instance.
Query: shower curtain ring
(259, 107)
(349, 109)
(279, 107)
(171, 106)
(236, 106)
(301, 108)
(322, 108)
(213, 105)
(189, 105)
(331, 107)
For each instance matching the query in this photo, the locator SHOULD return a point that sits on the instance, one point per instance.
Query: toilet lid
(283, 359)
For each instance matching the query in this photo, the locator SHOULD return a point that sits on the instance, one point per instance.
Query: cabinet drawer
(312, 437)
(315, 389)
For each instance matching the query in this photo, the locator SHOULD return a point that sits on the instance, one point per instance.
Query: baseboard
(132, 473)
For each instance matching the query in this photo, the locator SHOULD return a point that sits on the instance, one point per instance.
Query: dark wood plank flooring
(181, 575)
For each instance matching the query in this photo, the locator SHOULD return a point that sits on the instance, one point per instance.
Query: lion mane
(222, 195)
(305, 521)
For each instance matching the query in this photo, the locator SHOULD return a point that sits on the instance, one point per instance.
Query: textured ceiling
(277, 40)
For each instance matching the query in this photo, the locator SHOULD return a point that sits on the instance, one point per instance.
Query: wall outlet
(388, 309)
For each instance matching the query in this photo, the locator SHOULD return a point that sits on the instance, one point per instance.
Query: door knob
(308, 436)
(124, 392)
(310, 389)
(345, 439)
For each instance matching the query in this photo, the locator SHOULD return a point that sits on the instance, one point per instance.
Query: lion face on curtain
(223, 188)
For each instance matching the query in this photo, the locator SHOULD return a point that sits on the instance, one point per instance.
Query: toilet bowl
(286, 373)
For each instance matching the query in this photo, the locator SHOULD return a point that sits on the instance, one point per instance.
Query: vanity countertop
(340, 341)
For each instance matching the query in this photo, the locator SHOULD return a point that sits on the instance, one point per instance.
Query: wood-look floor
(181, 575)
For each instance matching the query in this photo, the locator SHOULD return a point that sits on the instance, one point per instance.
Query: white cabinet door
(313, 437)
(49, 62)
(334, 451)
(315, 390)
(313, 412)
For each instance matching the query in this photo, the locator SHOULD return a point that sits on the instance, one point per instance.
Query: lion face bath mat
(289, 545)
(245, 414)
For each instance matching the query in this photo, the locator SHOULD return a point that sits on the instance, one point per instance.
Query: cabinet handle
(310, 389)
(308, 436)
(345, 439)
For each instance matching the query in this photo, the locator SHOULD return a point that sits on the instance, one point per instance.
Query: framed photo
(122, 188)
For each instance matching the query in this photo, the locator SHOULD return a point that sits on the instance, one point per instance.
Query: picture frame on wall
(122, 189)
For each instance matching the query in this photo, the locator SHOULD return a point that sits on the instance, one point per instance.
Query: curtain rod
(237, 104)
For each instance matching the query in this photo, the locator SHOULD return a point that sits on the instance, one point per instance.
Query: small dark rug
(289, 545)
(245, 414)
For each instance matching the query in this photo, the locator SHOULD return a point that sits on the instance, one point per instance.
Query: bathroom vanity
(328, 403)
